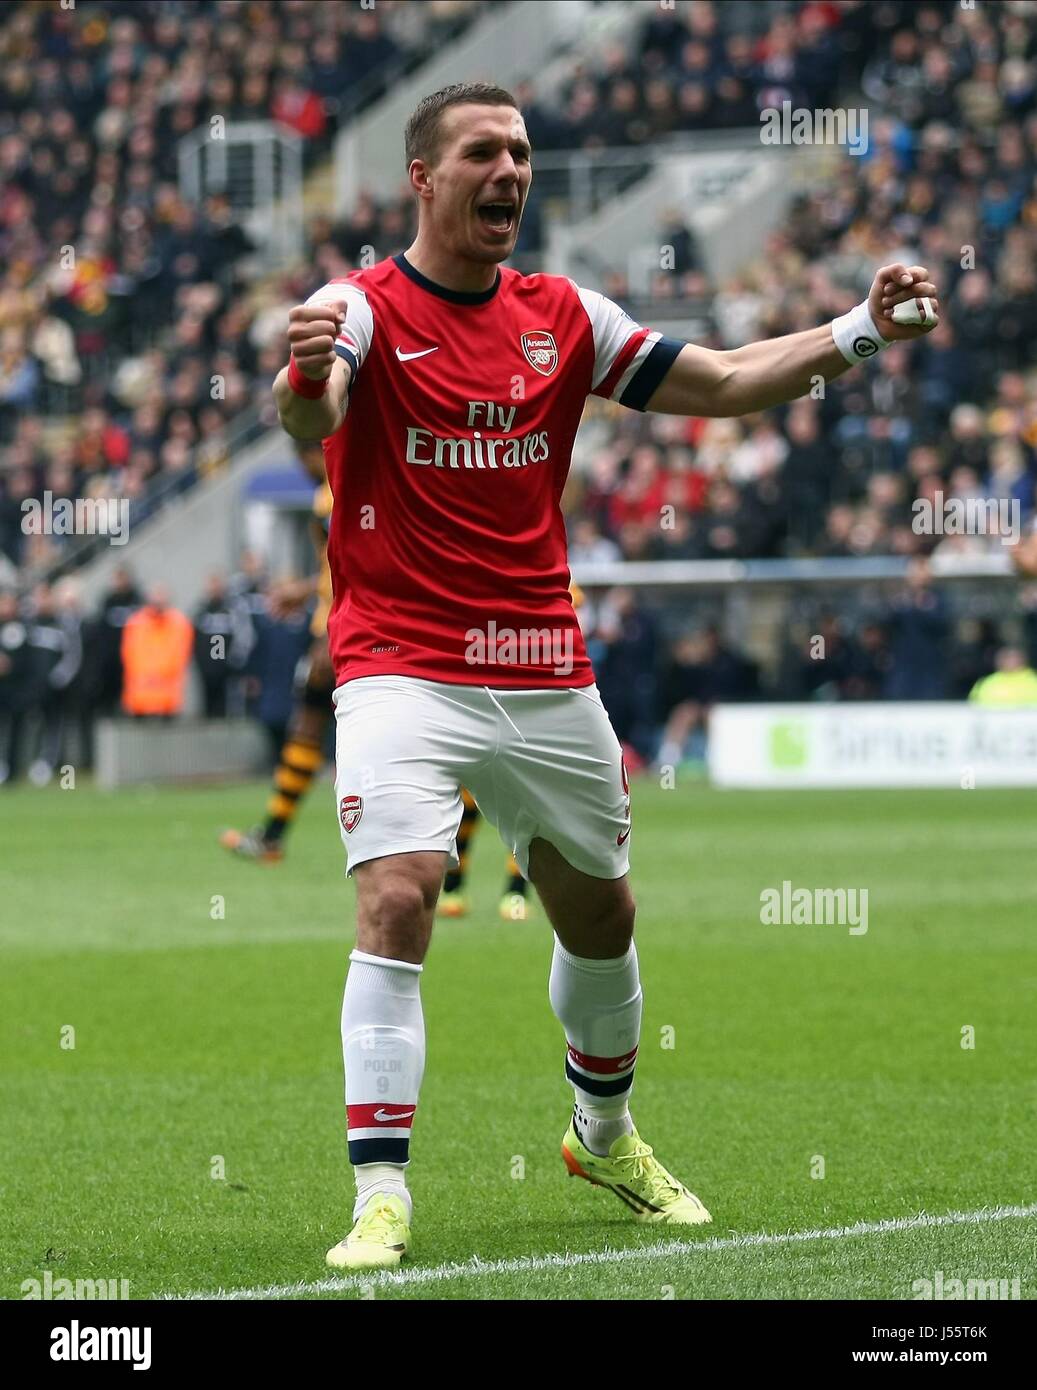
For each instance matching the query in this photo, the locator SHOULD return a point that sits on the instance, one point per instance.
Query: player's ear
(420, 175)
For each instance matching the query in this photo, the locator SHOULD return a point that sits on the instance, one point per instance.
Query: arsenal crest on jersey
(541, 351)
(351, 808)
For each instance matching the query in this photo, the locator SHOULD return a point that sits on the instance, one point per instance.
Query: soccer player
(302, 753)
(448, 392)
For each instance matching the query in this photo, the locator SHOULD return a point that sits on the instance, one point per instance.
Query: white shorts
(540, 763)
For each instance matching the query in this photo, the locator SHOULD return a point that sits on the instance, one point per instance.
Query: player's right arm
(312, 331)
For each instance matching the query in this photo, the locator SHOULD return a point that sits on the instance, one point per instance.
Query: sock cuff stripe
(382, 1150)
(390, 1115)
(602, 1066)
(595, 1086)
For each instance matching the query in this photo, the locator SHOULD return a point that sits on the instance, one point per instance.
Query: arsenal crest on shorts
(541, 351)
(351, 808)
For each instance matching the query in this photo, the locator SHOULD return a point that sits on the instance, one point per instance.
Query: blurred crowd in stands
(131, 324)
(162, 300)
(108, 357)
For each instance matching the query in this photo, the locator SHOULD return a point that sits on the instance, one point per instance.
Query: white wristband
(856, 336)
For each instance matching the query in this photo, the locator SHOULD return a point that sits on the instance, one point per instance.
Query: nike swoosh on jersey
(407, 356)
(621, 838)
(384, 1116)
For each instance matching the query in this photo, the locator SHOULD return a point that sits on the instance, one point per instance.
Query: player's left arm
(760, 375)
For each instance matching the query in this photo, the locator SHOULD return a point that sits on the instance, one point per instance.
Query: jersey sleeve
(354, 342)
(629, 361)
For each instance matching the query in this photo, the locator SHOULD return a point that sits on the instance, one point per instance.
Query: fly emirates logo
(480, 449)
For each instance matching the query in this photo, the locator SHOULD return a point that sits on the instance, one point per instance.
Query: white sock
(383, 1050)
(380, 1177)
(600, 1133)
(598, 1003)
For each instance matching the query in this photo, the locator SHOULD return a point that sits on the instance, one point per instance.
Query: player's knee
(394, 917)
(397, 904)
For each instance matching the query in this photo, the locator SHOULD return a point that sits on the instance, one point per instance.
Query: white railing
(258, 165)
(585, 180)
(802, 573)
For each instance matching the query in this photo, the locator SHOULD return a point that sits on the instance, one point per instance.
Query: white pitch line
(527, 1264)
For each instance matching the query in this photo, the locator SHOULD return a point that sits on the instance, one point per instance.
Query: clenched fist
(896, 284)
(312, 330)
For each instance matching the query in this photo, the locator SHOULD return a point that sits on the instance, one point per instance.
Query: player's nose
(506, 175)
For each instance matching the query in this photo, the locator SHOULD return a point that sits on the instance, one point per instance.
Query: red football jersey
(447, 544)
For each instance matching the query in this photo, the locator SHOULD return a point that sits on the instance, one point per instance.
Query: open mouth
(498, 217)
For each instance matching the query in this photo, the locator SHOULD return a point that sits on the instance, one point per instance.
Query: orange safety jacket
(156, 653)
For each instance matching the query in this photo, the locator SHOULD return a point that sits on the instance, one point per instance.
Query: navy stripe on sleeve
(342, 351)
(347, 356)
(650, 373)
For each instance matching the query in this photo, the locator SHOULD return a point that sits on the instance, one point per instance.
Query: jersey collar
(452, 296)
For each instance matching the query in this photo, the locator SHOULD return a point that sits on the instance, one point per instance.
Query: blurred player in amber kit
(453, 902)
(448, 392)
(301, 757)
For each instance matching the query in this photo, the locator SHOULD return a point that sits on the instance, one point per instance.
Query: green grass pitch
(209, 1044)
